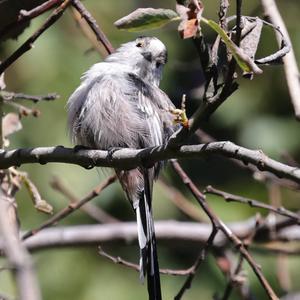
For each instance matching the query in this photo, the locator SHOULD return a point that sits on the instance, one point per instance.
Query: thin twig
(123, 262)
(290, 63)
(25, 16)
(232, 280)
(24, 110)
(57, 13)
(101, 37)
(199, 260)
(86, 30)
(92, 210)
(253, 203)
(70, 208)
(180, 201)
(225, 229)
(10, 96)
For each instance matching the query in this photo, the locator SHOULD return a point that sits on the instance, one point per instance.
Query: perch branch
(131, 158)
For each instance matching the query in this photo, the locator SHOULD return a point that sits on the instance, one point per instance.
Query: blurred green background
(258, 115)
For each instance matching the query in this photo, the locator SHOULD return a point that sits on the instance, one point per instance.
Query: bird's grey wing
(103, 113)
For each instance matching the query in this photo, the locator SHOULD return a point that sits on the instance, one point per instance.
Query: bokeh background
(258, 115)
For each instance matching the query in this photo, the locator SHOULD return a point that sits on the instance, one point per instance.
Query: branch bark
(18, 257)
(131, 158)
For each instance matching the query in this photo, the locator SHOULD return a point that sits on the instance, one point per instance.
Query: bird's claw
(180, 114)
(111, 151)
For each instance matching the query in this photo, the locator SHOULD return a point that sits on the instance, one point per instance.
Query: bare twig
(57, 13)
(199, 260)
(253, 203)
(17, 255)
(25, 16)
(101, 37)
(225, 229)
(24, 110)
(87, 31)
(121, 261)
(92, 210)
(131, 158)
(70, 208)
(232, 279)
(257, 175)
(10, 96)
(290, 63)
(178, 199)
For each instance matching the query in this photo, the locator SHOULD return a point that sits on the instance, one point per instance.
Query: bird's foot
(77, 148)
(111, 151)
(180, 114)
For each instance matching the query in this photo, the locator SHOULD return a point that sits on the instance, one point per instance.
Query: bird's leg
(77, 148)
(180, 114)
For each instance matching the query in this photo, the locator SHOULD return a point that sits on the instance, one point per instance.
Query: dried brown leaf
(10, 124)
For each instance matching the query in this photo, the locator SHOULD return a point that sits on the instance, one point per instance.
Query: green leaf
(146, 18)
(243, 60)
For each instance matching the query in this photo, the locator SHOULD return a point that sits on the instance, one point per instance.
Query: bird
(119, 105)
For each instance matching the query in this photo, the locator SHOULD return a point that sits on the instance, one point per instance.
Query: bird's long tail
(147, 242)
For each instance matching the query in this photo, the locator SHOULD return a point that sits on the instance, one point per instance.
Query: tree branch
(25, 16)
(70, 208)
(57, 13)
(217, 223)
(290, 63)
(131, 158)
(101, 37)
(10, 96)
(17, 255)
(168, 230)
(253, 203)
(121, 261)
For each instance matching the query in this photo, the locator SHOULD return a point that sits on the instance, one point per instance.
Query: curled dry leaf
(190, 14)
(250, 35)
(10, 124)
(2, 82)
(245, 62)
(146, 18)
(39, 203)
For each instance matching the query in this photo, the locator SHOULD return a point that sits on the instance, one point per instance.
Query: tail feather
(147, 242)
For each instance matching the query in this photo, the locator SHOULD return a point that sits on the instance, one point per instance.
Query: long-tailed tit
(119, 104)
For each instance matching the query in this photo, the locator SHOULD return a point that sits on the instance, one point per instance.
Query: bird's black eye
(139, 44)
(158, 64)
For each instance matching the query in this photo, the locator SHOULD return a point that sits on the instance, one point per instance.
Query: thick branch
(168, 230)
(130, 158)
(17, 255)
